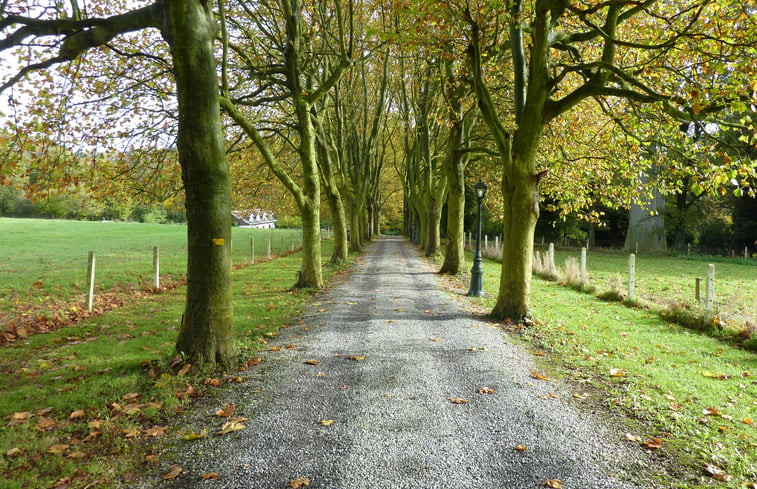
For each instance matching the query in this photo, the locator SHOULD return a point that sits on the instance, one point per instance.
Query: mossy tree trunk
(207, 335)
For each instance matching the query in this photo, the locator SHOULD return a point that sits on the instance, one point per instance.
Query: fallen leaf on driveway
(173, 473)
(357, 358)
(458, 400)
(327, 422)
(196, 436)
(521, 448)
(226, 411)
(210, 475)
(633, 438)
(581, 395)
(553, 483)
(538, 376)
(652, 443)
(312, 361)
(299, 482)
(487, 390)
(234, 424)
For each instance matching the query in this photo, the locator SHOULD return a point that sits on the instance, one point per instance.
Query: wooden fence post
(697, 290)
(156, 266)
(709, 294)
(551, 254)
(268, 253)
(584, 275)
(631, 276)
(90, 280)
(252, 250)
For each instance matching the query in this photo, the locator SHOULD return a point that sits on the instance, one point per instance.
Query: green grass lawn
(696, 393)
(46, 260)
(81, 405)
(667, 280)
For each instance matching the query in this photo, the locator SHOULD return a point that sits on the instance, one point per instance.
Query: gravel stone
(395, 426)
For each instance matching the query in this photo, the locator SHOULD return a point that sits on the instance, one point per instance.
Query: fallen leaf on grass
(553, 483)
(213, 382)
(312, 361)
(327, 422)
(131, 433)
(77, 455)
(156, 431)
(748, 421)
(20, 417)
(617, 372)
(131, 396)
(487, 390)
(45, 424)
(521, 448)
(173, 473)
(717, 473)
(652, 443)
(458, 400)
(13, 452)
(57, 448)
(711, 411)
(210, 475)
(79, 413)
(711, 375)
(538, 376)
(299, 482)
(196, 436)
(226, 411)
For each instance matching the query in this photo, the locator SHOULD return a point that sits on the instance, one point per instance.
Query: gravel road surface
(391, 347)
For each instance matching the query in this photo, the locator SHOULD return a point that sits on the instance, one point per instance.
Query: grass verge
(80, 403)
(694, 394)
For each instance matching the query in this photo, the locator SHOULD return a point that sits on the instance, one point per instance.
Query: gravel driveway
(390, 348)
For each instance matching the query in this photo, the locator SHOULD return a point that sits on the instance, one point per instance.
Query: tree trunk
(434, 216)
(311, 270)
(521, 212)
(454, 256)
(340, 227)
(356, 242)
(206, 335)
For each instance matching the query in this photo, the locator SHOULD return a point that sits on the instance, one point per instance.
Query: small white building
(256, 218)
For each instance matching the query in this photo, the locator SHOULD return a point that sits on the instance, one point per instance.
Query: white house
(256, 218)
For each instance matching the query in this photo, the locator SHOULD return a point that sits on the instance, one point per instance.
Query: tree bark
(206, 335)
(454, 166)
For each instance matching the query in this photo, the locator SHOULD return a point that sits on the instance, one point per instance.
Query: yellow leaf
(748, 421)
(13, 452)
(711, 411)
(173, 473)
(131, 396)
(76, 455)
(275, 348)
(57, 448)
(230, 427)
(521, 448)
(184, 369)
(327, 422)
(458, 400)
(44, 424)
(617, 372)
(553, 483)
(312, 361)
(131, 433)
(434, 339)
(581, 395)
(299, 482)
(487, 390)
(538, 376)
(213, 382)
(357, 358)
(196, 436)
(210, 475)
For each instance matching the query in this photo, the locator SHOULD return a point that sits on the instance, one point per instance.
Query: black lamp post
(477, 272)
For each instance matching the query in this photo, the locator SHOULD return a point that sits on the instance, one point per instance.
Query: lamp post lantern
(477, 272)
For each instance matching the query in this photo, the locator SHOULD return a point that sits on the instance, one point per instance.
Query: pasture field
(669, 280)
(46, 260)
